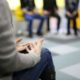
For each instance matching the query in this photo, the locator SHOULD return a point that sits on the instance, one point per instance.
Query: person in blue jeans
(30, 18)
(28, 7)
(44, 70)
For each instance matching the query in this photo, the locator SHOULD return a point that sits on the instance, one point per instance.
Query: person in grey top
(37, 63)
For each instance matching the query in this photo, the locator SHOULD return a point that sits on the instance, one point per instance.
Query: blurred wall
(13, 4)
(39, 4)
(61, 3)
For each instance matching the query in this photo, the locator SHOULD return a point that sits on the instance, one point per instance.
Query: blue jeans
(44, 69)
(30, 18)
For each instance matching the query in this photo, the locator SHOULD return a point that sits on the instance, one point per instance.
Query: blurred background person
(51, 7)
(72, 14)
(30, 13)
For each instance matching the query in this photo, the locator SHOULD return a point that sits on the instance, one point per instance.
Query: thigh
(38, 16)
(29, 17)
(35, 72)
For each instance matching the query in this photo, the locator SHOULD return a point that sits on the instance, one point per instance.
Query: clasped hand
(30, 47)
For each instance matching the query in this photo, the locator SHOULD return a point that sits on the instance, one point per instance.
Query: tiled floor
(68, 64)
(73, 70)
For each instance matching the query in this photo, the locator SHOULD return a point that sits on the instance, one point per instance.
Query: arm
(55, 4)
(67, 8)
(10, 59)
(66, 4)
(76, 5)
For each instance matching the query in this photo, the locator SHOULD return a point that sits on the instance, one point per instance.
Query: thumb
(40, 42)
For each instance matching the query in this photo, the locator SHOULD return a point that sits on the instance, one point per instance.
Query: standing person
(72, 14)
(28, 7)
(51, 7)
(14, 65)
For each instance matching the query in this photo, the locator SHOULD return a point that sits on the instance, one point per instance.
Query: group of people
(72, 14)
(50, 9)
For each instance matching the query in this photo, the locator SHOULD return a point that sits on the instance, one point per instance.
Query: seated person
(72, 14)
(30, 14)
(14, 64)
(51, 8)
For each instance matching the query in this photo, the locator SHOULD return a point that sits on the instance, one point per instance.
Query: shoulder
(4, 3)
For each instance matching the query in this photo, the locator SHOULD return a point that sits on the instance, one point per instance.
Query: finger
(32, 46)
(18, 40)
(27, 49)
(35, 43)
(20, 48)
(24, 44)
(40, 41)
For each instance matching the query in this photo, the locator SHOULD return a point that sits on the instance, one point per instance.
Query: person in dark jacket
(71, 14)
(52, 8)
(31, 15)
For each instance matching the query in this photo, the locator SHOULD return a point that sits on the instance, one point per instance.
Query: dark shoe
(68, 34)
(76, 34)
(30, 36)
(48, 75)
(39, 34)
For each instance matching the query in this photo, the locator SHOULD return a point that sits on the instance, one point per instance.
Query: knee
(45, 55)
(45, 52)
(28, 17)
(43, 17)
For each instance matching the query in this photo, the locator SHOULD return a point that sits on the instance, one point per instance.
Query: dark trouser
(59, 20)
(74, 25)
(30, 18)
(44, 69)
(48, 25)
(58, 24)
